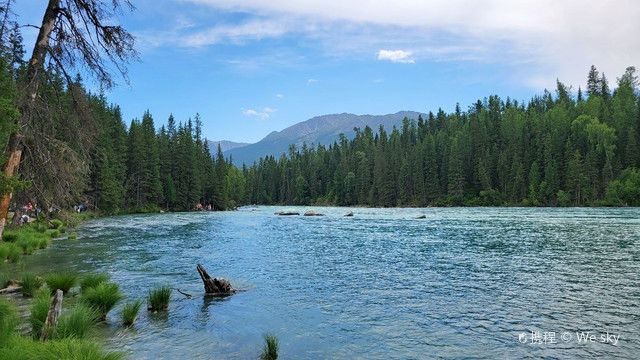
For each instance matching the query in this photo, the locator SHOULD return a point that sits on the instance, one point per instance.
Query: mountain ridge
(322, 129)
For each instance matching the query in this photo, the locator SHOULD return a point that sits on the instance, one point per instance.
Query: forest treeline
(78, 150)
(554, 150)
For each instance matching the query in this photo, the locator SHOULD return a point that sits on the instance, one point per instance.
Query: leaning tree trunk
(26, 106)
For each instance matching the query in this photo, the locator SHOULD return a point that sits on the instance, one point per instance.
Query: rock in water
(349, 214)
(312, 213)
(286, 213)
(421, 217)
(215, 286)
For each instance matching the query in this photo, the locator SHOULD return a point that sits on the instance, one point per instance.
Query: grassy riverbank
(18, 241)
(24, 333)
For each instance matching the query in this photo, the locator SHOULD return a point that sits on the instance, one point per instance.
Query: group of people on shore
(199, 207)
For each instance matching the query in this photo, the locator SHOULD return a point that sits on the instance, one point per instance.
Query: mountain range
(322, 130)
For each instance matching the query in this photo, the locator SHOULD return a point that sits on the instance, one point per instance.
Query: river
(461, 283)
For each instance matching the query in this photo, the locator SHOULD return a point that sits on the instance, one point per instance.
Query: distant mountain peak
(322, 129)
(225, 145)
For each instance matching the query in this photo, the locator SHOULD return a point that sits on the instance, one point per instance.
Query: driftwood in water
(421, 217)
(52, 317)
(312, 213)
(12, 287)
(215, 286)
(286, 213)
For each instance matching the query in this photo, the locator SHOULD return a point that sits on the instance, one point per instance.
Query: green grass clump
(90, 281)
(270, 349)
(72, 236)
(41, 228)
(68, 348)
(62, 229)
(62, 281)
(30, 283)
(8, 320)
(39, 311)
(158, 298)
(14, 252)
(130, 312)
(53, 233)
(56, 224)
(10, 236)
(75, 323)
(43, 242)
(4, 280)
(102, 298)
(4, 251)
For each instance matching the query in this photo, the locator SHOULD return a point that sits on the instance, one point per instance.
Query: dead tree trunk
(52, 317)
(35, 67)
(215, 286)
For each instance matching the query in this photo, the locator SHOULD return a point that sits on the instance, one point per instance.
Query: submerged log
(52, 317)
(215, 286)
(286, 213)
(349, 214)
(312, 213)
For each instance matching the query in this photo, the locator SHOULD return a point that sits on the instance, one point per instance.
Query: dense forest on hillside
(553, 150)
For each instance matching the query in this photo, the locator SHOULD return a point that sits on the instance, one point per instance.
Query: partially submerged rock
(312, 213)
(421, 217)
(349, 214)
(215, 286)
(286, 213)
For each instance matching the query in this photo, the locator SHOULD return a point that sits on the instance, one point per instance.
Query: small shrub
(10, 236)
(39, 311)
(56, 224)
(62, 281)
(76, 323)
(130, 312)
(90, 281)
(270, 349)
(72, 236)
(158, 298)
(102, 298)
(62, 229)
(29, 284)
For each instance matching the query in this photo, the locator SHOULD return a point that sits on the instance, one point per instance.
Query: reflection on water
(464, 282)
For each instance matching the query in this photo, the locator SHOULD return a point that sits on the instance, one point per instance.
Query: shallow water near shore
(463, 282)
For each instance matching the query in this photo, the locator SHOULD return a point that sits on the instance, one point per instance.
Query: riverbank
(21, 240)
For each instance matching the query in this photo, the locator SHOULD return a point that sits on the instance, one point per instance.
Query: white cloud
(396, 56)
(261, 114)
(279, 96)
(252, 30)
(544, 38)
(311, 81)
(377, 81)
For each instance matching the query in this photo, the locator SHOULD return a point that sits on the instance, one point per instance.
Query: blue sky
(250, 67)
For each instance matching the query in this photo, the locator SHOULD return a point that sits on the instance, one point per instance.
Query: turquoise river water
(494, 283)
